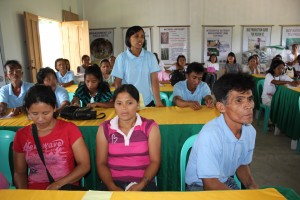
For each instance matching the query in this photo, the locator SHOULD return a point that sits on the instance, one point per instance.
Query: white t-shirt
(270, 88)
(209, 64)
(291, 58)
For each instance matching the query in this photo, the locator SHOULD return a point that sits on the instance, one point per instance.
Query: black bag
(176, 76)
(41, 155)
(77, 113)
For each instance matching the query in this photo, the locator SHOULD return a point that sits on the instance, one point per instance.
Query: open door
(33, 44)
(75, 37)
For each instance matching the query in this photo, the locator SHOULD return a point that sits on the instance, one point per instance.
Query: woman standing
(139, 67)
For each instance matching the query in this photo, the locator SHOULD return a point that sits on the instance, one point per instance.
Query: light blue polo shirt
(7, 95)
(61, 95)
(217, 153)
(137, 71)
(180, 89)
(68, 77)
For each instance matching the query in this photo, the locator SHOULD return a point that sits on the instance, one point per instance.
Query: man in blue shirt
(225, 145)
(12, 94)
(190, 92)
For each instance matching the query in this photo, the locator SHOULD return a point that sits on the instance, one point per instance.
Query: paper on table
(10, 115)
(100, 195)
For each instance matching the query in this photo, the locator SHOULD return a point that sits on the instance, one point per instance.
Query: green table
(285, 111)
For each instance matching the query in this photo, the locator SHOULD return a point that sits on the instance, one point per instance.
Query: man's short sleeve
(4, 94)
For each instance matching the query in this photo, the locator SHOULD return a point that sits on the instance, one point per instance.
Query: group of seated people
(128, 147)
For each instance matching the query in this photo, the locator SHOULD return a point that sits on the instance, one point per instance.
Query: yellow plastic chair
(259, 88)
(183, 158)
(6, 139)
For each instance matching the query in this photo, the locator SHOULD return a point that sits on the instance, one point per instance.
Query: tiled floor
(274, 163)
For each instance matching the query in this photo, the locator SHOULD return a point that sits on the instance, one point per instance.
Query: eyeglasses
(17, 71)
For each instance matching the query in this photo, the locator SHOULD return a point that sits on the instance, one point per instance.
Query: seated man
(225, 145)
(12, 94)
(191, 91)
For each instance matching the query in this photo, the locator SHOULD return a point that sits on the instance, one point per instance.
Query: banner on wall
(101, 44)
(218, 41)
(147, 44)
(256, 37)
(290, 35)
(174, 41)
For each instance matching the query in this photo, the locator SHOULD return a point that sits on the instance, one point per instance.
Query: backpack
(176, 76)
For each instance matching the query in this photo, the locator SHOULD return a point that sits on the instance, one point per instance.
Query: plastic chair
(183, 157)
(164, 97)
(259, 88)
(171, 100)
(6, 138)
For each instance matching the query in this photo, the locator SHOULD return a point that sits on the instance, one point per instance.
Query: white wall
(12, 24)
(196, 13)
(125, 13)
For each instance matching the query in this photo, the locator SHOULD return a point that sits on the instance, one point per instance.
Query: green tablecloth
(173, 137)
(285, 111)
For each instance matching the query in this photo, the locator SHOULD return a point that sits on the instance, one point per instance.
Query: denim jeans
(230, 183)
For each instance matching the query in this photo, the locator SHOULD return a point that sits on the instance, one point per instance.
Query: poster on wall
(174, 41)
(101, 44)
(256, 37)
(147, 44)
(217, 40)
(290, 35)
(2, 77)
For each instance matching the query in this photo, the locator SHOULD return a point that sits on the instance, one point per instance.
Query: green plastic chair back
(298, 145)
(171, 100)
(164, 97)
(183, 157)
(6, 138)
(259, 89)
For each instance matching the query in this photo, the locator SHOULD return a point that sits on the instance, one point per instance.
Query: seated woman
(47, 76)
(105, 70)
(252, 67)
(94, 92)
(231, 66)
(65, 77)
(212, 67)
(62, 145)
(273, 78)
(128, 146)
(180, 64)
(12, 94)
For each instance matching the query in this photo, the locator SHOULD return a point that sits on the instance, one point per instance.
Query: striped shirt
(103, 94)
(128, 155)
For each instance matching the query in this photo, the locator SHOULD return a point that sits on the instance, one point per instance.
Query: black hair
(83, 57)
(232, 82)
(95, 71)
(277, 57)
(58, 60)
(232, 55)
(67, 61)
(104, 60)
(251, 57)
(211, 55)
(43, 73)
(39, 94)
(156, 56)
(130, 89)
(180, 56)
(195, 67)
(12, 64)
(274, 65)
(131, 31)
